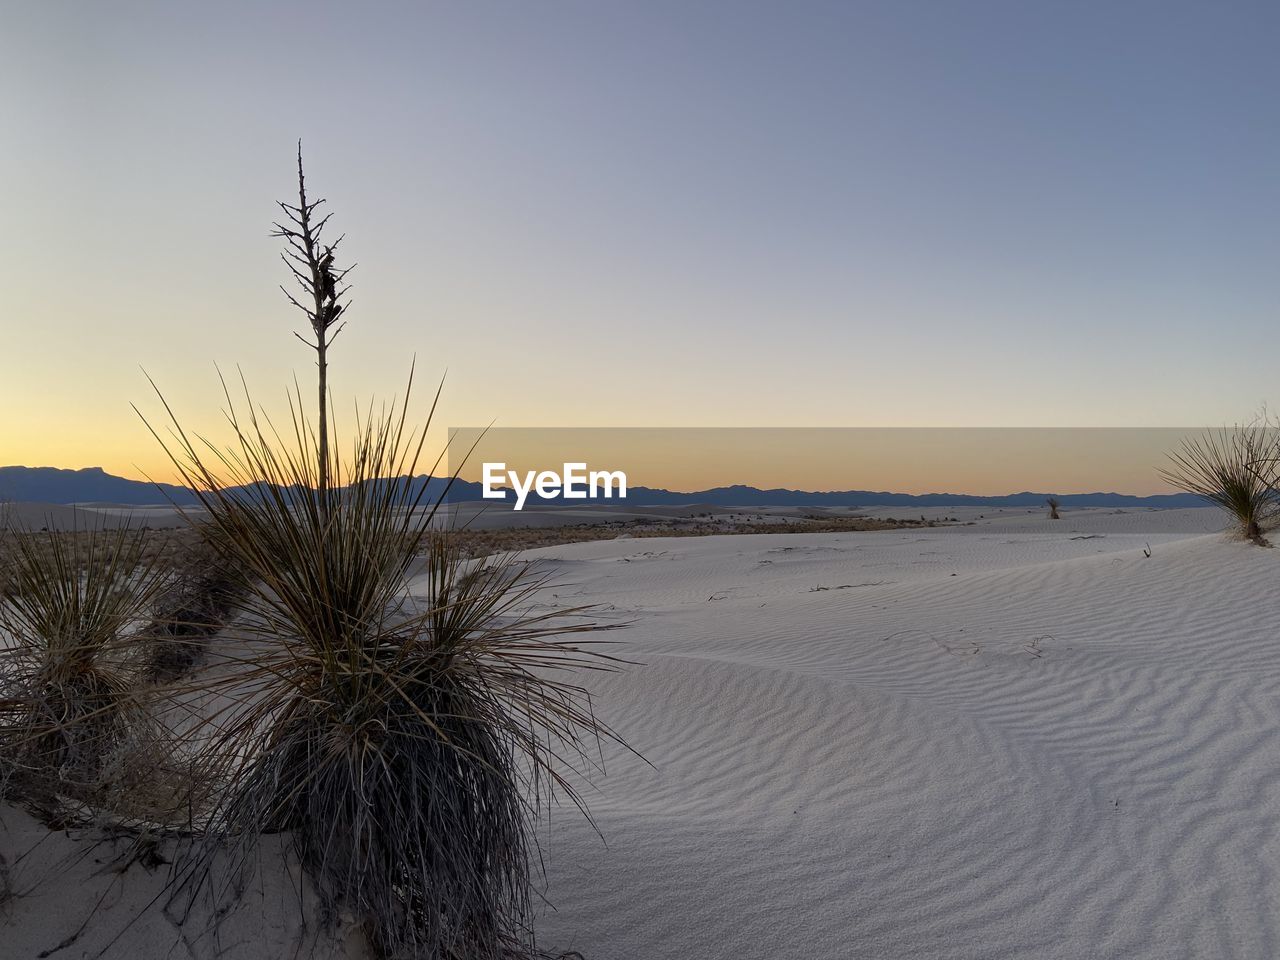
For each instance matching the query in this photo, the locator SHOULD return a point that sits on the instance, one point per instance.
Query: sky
(644, 214)
(985, 461)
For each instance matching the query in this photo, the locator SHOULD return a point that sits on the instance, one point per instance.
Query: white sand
(984, 741)
(73, 895)
(29, 515)
(1012, 739)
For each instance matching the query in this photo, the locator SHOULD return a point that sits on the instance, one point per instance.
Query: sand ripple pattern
(975, 743)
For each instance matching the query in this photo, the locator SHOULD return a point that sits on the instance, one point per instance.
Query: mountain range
(95, 485)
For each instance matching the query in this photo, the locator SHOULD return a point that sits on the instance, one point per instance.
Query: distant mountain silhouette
(90, 485)
(744, 496)
(95, 485)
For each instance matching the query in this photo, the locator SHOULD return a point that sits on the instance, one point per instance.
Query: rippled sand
(1019, 738)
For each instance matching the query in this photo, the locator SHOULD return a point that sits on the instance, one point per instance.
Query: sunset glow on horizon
(652, 215)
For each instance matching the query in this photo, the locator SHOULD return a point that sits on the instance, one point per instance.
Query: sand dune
(80, 894)
(980, 741)
(1004, 738)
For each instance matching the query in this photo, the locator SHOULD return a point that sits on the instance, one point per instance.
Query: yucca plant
(1234, 468)
(1053, 503)
(324, 289)
(404, 740)
(71, 609)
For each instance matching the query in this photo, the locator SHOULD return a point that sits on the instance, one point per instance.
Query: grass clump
(1234, 468)
(71, 715)
(202, 595)
(405, 741)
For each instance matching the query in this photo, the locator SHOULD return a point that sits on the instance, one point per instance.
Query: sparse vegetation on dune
(198, 602)
(406, 743)
(1053, 503)
(1235, 468)
(72, 717)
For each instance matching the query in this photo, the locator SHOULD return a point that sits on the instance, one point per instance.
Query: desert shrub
(1234, 468)
(405, 742)
(70, 612)
(1053, 503)
(202, 594)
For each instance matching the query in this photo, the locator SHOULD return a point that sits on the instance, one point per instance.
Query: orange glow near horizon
(979, 461)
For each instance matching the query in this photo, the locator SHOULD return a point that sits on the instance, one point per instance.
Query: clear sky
(596, 213)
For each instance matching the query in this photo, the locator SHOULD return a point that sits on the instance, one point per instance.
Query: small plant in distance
(72, 606)
(1234, 468)
(1053, 503)
(406, 742)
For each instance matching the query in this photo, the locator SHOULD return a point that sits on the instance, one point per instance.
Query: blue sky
(739, 214)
